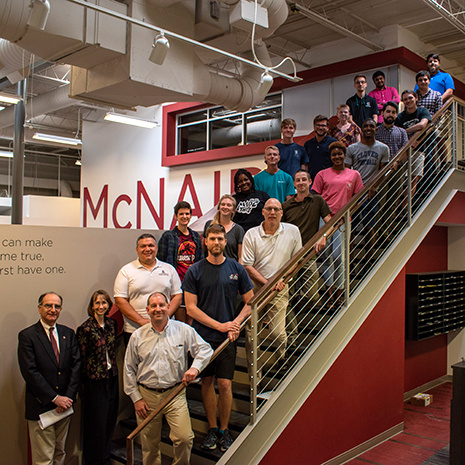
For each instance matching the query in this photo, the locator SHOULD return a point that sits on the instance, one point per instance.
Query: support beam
(18, 157)
(335, 27)
(452, 14)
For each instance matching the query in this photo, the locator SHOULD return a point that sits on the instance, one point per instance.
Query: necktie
(54, 344)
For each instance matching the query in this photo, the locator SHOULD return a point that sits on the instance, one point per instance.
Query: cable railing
(358, 237)
(354, 246)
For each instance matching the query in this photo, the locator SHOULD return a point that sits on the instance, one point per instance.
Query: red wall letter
(94, 210)
(196, 210)
(119, 199)
(141, 192)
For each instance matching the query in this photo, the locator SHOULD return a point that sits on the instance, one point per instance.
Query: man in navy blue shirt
(293, 156)
(317, 147)
(362, 106)
(211, 287)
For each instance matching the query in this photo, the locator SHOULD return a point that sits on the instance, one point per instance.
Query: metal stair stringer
(253, 443)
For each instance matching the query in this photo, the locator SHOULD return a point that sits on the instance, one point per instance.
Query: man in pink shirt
(383, 94)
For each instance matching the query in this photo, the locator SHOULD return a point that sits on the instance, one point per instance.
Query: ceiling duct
(111, 58)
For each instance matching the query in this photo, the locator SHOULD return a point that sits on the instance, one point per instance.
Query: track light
(57, 139)
(160, 48)
(266, 81)
(78, 162)
(39, 14)
(131, 120)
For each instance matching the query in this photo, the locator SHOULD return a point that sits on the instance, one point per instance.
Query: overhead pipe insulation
(40, 105)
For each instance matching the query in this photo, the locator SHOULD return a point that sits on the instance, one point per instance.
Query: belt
(156, 389)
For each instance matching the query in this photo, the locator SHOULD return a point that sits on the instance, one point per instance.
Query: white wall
(74, 263)
(456, 261)
(42, 210)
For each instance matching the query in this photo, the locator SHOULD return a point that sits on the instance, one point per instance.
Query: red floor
(426, 431)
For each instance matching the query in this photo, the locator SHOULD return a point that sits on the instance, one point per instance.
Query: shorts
(224, 365)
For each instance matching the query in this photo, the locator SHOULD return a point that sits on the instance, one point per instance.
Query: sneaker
(225, 441)
(210, 439)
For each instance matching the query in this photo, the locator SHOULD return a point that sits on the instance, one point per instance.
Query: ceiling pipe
(40, 105)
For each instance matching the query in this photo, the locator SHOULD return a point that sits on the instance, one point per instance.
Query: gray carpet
(439, 458)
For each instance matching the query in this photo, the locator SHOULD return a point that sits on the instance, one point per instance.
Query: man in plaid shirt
(428, 98)
(394, 137)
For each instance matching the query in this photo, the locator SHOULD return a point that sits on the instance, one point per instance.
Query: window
(216, 127)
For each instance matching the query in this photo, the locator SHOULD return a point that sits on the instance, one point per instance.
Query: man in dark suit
(48, 356)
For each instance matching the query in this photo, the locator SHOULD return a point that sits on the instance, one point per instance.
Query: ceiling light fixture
(160, 48)
(78, 162)
(131, 120)
(57, 139)
(39, 14)
(6, 154)
(9, 98)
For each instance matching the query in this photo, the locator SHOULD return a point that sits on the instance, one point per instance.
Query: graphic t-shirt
(186, 254)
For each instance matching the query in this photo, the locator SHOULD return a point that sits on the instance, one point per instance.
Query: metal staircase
(366, 269)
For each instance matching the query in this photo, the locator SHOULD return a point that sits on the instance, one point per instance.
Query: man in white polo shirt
(141, 278)
(265, 249)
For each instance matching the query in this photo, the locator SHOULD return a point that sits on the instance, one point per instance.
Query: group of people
(183, 297)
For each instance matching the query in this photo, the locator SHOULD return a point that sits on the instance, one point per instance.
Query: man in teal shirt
(275, 182)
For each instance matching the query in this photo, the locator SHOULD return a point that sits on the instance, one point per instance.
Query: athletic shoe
(210, 439)
(225, 441)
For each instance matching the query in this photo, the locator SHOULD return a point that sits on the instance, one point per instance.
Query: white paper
(52, 416)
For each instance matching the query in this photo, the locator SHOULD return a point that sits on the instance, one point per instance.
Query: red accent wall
(362, 393)
(360, 396)
(427, 360)
(455, 211)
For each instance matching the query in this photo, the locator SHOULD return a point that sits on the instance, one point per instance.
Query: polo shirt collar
(279, 231)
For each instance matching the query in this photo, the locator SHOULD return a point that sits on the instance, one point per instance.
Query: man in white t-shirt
(265, 249)
(141, 278)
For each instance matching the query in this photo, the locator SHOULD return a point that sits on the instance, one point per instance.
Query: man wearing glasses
(48, 356)
(362, 106)
(265, 249)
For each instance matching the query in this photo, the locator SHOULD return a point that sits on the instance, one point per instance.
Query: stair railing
(359, 235)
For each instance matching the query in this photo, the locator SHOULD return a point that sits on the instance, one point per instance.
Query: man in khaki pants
(156, 362)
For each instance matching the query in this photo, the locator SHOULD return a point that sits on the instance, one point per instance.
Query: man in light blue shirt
(440, 81)
(275, 182)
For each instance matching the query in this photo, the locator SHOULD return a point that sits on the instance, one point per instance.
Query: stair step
(237, 422)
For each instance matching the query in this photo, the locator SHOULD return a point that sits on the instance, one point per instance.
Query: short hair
(360, 76)
(167, 300)
(341, 106)
(145, 236)
(391, 104)
(106, 296)
(369, 120)
(216, 218)
(421, 74)
(337, 145)
(302, 171)
(182, 204)
(42, 297)
(273, 147)
(433, 55)
(378, 73)
(245, 173)
(215, 228)
(319, 118)
(288, 122)
(408, 91)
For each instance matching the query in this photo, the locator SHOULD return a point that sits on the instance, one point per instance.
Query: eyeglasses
(270, 209)
(50, 306)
